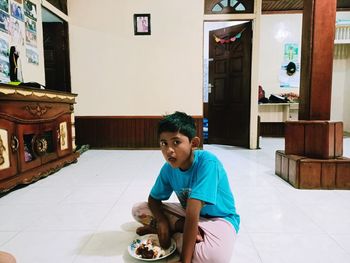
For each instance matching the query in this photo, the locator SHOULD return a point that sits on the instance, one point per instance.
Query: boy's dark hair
(178, 122)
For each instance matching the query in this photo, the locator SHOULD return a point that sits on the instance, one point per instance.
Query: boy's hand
(163, 230)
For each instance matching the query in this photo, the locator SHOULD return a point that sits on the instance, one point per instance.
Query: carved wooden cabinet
(37, 134)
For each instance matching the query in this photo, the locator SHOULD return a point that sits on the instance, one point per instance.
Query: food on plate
(149, 249)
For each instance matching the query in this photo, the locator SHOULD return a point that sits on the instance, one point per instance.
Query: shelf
(278, 112)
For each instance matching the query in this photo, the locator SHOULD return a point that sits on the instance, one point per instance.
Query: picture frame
(142, 24)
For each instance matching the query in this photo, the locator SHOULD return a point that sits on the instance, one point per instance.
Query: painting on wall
(30, 10)
(4, 70)
(4, 5)
(4, 22)
(16, 11)
(142, 24)
(31, 38)
(17, 33)
(30, 25)
(32, 55)
(4, 47)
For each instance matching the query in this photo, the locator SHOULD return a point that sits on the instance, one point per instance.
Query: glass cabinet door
(29, 157)
(8, 149)
(48, 138)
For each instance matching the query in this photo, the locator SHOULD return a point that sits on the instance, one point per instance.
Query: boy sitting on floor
(205, 223)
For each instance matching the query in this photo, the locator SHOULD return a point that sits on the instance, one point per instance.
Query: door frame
(255, 19)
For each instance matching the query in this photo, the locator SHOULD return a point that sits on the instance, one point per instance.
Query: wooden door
(229, 85)
(8, 149)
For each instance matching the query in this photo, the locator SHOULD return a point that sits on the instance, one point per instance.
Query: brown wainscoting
(121, 131)
(271, 129)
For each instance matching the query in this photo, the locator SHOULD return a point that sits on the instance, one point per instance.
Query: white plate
(154, 239)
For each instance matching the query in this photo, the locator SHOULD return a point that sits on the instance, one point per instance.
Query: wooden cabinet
(37, 134)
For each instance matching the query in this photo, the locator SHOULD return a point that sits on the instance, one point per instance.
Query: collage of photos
(18, 28)
(30, 13)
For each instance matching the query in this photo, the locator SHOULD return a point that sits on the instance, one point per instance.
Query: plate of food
(147, 248)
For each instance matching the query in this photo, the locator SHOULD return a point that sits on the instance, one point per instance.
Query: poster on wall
(4, 46)
(290, 68)
(4, 5)
(16, 10)
(4, 70)
(4, 58)
(4, 22)
(30, 10)
(31, 38)
(16, 33)
(32, 55)
(30, 25)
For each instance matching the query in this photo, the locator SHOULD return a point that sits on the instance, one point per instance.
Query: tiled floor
(81, 214)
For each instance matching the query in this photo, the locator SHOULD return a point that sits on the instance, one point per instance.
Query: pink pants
(218, 234)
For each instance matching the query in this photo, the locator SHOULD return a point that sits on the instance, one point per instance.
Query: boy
(204, 226)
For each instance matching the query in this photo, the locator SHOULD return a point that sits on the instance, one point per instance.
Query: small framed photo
(142, 24)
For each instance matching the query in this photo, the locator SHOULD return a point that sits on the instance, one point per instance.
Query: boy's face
(177, 149)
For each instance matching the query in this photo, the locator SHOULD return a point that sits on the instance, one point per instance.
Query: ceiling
(269, 6)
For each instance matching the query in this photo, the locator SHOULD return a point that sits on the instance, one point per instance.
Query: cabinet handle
(14, 143)
(58, 136)
(40, 146)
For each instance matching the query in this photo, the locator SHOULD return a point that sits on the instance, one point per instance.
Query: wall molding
(121, 132)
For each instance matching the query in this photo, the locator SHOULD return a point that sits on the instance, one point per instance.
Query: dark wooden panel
(338, 139)
(294, 169)
(121, 131)
(328, 175)
(317, 59)
(286, 6)
(285, 167)
(294, 138)
(343, 175)
(278, 163)
(272, 129)
(310, 174)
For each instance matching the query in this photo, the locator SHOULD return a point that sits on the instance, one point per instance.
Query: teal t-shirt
(205, 180)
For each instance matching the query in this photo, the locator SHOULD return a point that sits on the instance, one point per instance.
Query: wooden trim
(128, 117)
(126, 132)
(281, 12)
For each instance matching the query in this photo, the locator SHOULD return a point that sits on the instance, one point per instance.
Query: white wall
(346, 113)
(117, 73)
(276, 30)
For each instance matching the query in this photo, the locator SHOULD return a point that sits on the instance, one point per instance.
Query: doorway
(227, 83)
(56, 52)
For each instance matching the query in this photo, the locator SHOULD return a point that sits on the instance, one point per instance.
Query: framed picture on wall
(142, 24)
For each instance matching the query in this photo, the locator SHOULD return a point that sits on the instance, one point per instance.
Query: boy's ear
(195, 142)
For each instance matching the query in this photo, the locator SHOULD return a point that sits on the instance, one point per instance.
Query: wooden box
(314, 139)
(306, 173)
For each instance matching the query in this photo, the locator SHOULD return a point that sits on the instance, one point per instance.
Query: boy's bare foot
(144, 230)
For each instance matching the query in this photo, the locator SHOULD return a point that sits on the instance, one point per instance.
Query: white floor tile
(82, 213)
(291, 248)
(50, 246)
(6, 236)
